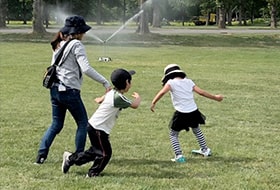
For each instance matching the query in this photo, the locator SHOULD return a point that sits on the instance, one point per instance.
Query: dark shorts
(182, 121)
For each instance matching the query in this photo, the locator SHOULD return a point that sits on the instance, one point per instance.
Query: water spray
(97, 38)
(124, 25)
(62, 16)
(107, 59)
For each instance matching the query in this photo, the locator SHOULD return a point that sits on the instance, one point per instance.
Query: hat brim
(172, 74)
(75, 30)
(131, 72)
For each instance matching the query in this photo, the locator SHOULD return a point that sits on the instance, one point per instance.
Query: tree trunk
(207, 18)
(46, 14)
(240, 15)
(99, 9)
(124, 11)
(3, 13)
(156, 16)
(24, 11)
(143, 26)
(229, 17)
(222, 22)
(273, 13)
(38, 19)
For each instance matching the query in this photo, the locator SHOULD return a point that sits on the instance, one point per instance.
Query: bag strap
(61, 53)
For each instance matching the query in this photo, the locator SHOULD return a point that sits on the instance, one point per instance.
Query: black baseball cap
(120, 76)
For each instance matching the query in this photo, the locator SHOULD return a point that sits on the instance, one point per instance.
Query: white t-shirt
(107, 113)
(182, 95)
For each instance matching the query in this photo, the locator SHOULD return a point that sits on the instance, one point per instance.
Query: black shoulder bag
(50, 75)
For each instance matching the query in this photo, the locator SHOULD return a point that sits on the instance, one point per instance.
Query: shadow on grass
(190, 160)
(165, 169)
(168, 169)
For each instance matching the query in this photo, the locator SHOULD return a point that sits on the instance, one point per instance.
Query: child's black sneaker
(66, 162)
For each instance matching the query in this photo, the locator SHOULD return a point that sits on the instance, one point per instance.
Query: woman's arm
(86, 68)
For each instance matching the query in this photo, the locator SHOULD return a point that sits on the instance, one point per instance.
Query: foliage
(19, 10)
(111, 9)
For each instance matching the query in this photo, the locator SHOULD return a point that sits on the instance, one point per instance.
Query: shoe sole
(65, 155)
(197, 153)
(174, 160)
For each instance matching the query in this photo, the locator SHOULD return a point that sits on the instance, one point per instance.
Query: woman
(65, 93)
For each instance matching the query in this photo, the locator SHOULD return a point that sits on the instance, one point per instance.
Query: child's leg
(88, 155)
(173, 136)
(200, 138)
(80, 158)
(103, 153)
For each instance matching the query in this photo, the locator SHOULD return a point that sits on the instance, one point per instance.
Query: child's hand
(137, 99)
(108, 89)
(152, 108)
(219, 97)
(135, 95)
(99, 100)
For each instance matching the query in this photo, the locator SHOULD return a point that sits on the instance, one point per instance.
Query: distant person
(101, 123)
(187, 114)
(65, 93)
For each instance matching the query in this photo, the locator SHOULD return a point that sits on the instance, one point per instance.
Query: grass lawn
(242, 131)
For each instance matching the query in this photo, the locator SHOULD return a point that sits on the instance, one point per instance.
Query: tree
(221, 14)
(99, 12)
(3, 13)
(181, 7)
(273, 5)
(24, 11)
(37, 22)
(230, 8)
(156, 13)
(143, 26)
(207, 7)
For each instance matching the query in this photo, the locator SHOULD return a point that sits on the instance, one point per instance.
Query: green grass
(242, 131)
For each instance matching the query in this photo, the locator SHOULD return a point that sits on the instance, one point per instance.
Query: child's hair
(119, 77)
(172, 76)
(57, 39)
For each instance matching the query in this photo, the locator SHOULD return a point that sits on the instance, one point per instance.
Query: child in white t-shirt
(101, 123)
(186, 114)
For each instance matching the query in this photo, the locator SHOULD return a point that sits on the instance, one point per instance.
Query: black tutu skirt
(182, 121)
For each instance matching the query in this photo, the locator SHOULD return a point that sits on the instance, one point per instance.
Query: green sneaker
(179, 159)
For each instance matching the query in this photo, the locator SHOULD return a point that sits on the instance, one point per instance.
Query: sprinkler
(104, 59)
(107, 59)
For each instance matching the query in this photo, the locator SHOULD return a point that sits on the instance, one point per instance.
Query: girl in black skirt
(187, 114)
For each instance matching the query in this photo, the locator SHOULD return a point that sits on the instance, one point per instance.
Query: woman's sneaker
(40, 159)
(179, 158)
(204, 153)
